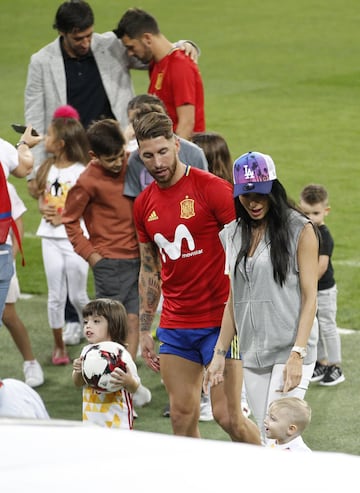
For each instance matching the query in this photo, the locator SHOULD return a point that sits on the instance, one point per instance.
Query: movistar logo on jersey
(172, 249)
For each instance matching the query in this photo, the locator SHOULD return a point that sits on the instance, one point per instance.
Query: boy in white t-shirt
(285, 421)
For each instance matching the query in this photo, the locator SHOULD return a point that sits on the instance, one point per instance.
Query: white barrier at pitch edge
(64, 456)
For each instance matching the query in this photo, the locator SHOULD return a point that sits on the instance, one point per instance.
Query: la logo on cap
(248, 173)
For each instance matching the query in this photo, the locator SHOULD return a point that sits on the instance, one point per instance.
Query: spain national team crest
(187, 208)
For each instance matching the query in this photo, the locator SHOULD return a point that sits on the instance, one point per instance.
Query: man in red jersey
(174, 77)
(178, 218)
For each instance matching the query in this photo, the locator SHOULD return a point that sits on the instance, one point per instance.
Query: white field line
(347, 332)
(347, 263)
(25, 296)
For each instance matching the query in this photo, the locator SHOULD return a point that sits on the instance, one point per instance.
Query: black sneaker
(333, 376)
(319, 372)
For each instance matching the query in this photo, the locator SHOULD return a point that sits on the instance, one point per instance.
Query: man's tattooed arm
(149, 284)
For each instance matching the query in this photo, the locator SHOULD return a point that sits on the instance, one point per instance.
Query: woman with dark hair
(217, 153)
(272, 259)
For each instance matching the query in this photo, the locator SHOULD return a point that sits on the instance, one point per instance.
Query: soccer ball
(99, 361)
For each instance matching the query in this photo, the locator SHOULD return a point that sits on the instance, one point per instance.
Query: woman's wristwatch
(300, 350)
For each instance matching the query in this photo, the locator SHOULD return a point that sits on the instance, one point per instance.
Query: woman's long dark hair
(277, 227)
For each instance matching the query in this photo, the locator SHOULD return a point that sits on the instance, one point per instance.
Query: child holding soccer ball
(106, 320)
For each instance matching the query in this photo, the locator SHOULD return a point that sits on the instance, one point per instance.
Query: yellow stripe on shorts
(235, 348)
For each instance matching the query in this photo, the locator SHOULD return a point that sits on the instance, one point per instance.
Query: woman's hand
(292, 372)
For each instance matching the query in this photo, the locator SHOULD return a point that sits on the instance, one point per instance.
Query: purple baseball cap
(253, 172)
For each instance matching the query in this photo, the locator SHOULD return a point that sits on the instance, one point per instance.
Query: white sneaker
(34, 375)
(205, 408)
(142, 396)
(72, 333)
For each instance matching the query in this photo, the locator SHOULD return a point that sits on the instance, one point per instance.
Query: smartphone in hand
(21, 129)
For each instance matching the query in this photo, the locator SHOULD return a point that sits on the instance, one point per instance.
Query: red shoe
(60, 360)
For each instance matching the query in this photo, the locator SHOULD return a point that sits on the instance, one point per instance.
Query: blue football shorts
(194, 344)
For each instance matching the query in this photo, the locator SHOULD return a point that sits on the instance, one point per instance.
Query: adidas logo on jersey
(153, 216)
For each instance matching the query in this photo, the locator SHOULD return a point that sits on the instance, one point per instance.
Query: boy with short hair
(112, 248)
(285, 421)
(137, 177)
(315, 204)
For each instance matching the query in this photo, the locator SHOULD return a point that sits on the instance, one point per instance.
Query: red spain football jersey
(184, 221)
(176, 80)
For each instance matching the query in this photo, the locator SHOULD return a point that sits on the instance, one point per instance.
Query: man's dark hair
(73, 16)
(135, 22)
(152, 125)
(105, 137)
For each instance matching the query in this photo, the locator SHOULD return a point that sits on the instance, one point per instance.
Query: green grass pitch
(280, 77)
